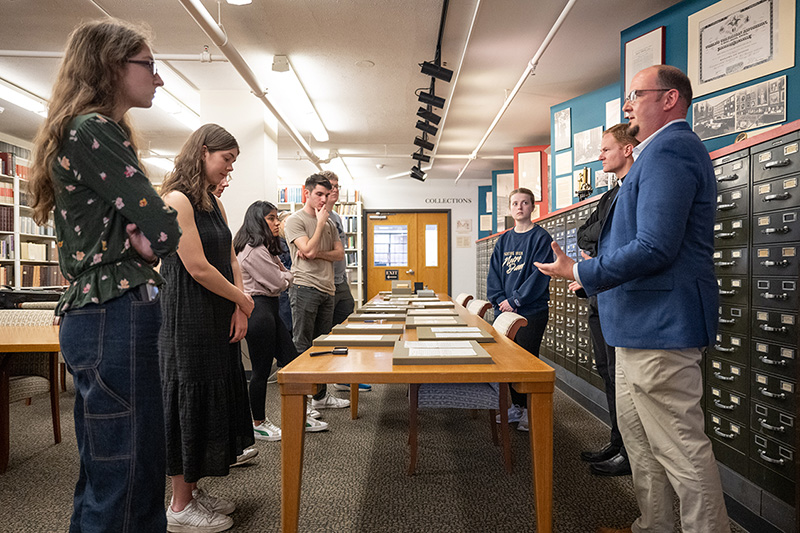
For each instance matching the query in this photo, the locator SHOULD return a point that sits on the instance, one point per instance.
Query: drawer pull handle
(767, 361)
(766, 327)
(726, 207)
(721, 348)
(781, 263)
(770, 296)
(770, 231)
(729, 235)
(781, 196)
(719, 375)
(723, 264)
(727, 177)
(729, 436)
(777, 429)
(727, 321)
(768, 394)
(727, 293)
(727, 407)
(769, 459)
(778, 163)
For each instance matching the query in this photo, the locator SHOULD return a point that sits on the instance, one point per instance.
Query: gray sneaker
(197, 519)
(212, 503)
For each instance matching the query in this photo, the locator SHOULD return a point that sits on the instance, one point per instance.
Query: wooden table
(512, 364)
(20, 339)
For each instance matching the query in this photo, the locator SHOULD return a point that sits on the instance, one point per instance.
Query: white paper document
(435, 352)
(437, 344)
(345, 338)
(366, 326)
(423, 320)
(457, 335)
(466, 329)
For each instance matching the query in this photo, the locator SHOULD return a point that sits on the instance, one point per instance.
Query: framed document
(439, 353)
(562, 122)
(734, 41)
(642, 52)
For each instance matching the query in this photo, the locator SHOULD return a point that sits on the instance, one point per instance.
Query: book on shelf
(7, 163)
(6, 218)
(7, 247)
(292, 194)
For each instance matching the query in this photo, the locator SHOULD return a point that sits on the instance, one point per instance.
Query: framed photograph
(735, 41)
(529, 166)
(562, 122)
(642, 52)
(587, 145)
(745, 109)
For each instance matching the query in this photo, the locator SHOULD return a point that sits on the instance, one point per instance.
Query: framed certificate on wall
(642, 52)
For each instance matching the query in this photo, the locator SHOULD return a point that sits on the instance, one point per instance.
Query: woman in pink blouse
(264, 278)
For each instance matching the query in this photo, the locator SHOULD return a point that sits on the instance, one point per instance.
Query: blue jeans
(312, 316)
(111, 350)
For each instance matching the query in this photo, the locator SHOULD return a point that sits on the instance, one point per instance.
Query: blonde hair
(88, 81)
(188, 176)
(522, 190)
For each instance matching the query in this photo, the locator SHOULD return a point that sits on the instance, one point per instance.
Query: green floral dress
(99, 190)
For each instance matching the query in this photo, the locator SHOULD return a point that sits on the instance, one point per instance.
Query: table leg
(540, 422)
(353, 401)
(293, 418)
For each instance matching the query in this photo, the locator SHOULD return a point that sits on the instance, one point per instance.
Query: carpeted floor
(354, 477)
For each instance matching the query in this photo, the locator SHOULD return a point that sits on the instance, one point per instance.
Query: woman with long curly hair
(205, 316)
(111, 228)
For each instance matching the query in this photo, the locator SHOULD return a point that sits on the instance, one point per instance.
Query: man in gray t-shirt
(314, 244)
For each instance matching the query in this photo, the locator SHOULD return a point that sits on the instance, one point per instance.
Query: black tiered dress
(206, 412)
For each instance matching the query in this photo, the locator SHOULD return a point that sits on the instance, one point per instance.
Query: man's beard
(633, 130)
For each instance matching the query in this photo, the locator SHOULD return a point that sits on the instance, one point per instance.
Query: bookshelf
(351, 212)
(28, 253)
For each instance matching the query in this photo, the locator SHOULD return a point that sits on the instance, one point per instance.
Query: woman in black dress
(205, 312)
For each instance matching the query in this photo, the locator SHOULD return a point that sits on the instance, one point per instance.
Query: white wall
(255, 173)
(405, 193)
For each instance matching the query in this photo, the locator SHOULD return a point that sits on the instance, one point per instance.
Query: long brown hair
(88, 81)
(188, 176)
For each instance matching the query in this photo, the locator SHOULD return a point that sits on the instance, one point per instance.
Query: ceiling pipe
(528, 71)
(203, 58)
(207, 23)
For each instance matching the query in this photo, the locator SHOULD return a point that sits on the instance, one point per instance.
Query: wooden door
(413, 246)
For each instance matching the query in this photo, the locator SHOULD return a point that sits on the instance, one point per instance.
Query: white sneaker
(212, 503)
(248, 455)
(514, 414)
(266, 430)
(330, 402)
(523, 421)
(313, 425)
(197, 519)
(312, 413)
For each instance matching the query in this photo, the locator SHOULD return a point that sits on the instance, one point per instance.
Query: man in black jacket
(616, 153)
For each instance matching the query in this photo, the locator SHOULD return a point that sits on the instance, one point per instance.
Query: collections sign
(448, 200)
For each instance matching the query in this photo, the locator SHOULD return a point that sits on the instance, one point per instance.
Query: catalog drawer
(776, 391)
(776, 326)
(731, 261)
(731, 232)
(733, 290)
(775, 293)
(732, 202)
(778, 226)
(776, 260)
(733, 434)
(775, 358)
(772, 423)
(731, 376)
(730, 346)
(733, 170)
(773, 195)
(776, 157)
(730, 404)
(733, 319)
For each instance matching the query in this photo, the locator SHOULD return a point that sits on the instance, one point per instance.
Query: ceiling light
(160, 162)
(420, 156)
(427, 128)
(437, 71)
(430, 116)
(423, 143)
(338, 166)
(179, 111)
(431, 99)
(417, 174)
(239, 2)
(290, 95)
(22, 98)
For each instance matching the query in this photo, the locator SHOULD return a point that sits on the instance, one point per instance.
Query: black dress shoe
(616, 466)
(606, 452)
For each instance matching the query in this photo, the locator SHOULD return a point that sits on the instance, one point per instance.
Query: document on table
(366, 326)
(467, 329)
(353, 338)
(433, 348)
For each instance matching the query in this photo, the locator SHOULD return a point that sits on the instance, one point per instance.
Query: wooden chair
(28, 374)
(508, 324)
(478, 307)
(463, 298)
(62, 366)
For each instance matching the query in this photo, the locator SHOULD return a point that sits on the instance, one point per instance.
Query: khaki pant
(659, 416)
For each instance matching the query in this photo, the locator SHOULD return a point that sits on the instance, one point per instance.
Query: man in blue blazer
(657, 294)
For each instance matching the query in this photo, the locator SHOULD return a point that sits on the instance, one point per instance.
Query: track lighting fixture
(431, 99)
(430, 116)
(437, 71)
(427, 128)
(420, 156)
(423, 143)
(417, 174)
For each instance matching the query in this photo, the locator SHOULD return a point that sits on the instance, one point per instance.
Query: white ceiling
(369, 112)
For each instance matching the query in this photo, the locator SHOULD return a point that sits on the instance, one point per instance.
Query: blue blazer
(655, 269)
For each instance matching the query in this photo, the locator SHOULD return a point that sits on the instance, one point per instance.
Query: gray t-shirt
(317, 273)
(339, 267)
